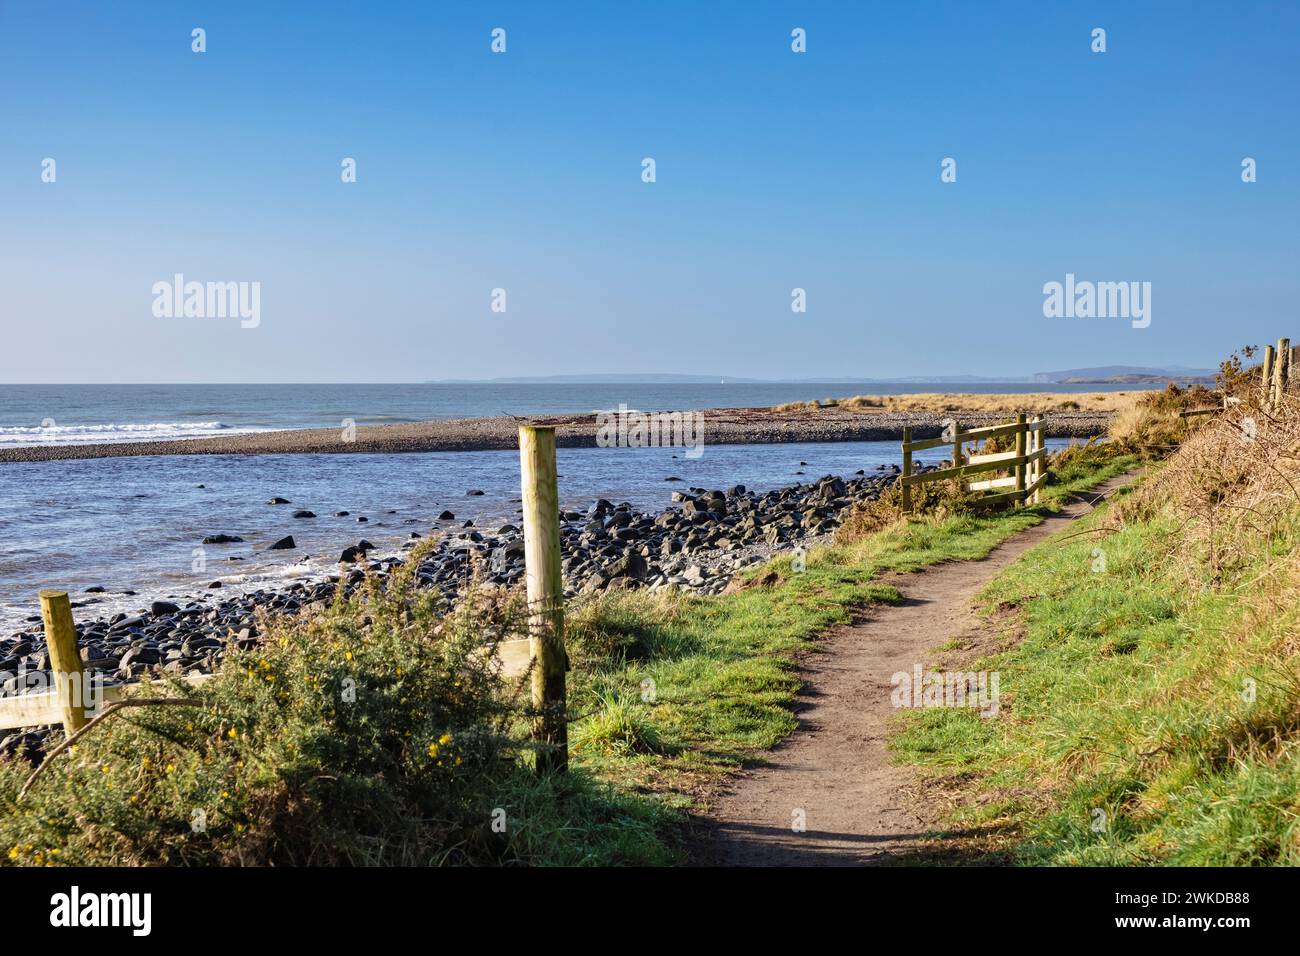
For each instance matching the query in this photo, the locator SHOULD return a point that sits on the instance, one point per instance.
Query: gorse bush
(354, 735)
(375, 731)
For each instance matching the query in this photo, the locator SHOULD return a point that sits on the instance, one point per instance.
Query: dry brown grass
(937, 501)
(1030, 403)
(1234, 484)
(1153, 423)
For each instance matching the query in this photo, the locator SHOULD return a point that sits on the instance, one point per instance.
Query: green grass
(1126, 735)
(674, 692)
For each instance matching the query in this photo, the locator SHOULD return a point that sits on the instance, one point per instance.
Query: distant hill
(651, 378)
(1137, 375)
(1106, 374)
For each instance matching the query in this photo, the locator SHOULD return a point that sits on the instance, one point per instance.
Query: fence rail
(1027, 463)
(46, 708)
(71, 703)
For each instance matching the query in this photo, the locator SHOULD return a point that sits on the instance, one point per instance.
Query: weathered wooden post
(1281, 371)
(956, 455)
(545, 595)
(1036, 444)
(907, 468)
(1266, 379)
(1021, 469)
(65, 660)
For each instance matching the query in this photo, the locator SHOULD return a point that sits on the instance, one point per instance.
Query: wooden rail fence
(1027, 464)
(74, 700)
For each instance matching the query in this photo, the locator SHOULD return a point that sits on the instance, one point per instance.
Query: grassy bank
(1151, 704)
(373, 732)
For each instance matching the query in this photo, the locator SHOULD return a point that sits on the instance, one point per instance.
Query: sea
(137, 523)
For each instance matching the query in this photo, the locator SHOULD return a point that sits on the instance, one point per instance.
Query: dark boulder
(630, 565)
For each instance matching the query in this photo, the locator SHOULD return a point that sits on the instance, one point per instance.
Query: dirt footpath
(834, 768)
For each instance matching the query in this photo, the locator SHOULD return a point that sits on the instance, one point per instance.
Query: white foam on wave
(17, 436)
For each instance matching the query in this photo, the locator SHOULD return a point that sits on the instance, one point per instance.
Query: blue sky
(522, 171)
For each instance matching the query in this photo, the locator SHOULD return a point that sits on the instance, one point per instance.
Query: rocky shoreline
(698, 545)
(725, 426)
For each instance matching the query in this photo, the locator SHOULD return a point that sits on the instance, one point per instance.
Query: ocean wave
(21, 435)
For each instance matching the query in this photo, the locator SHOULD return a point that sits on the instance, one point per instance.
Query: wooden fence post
(65, 659)
(544, 575)
(956, 454)
(1266, 379)
(907, 468)
(1036, 445)
(1021, 447)
(1281, 370)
